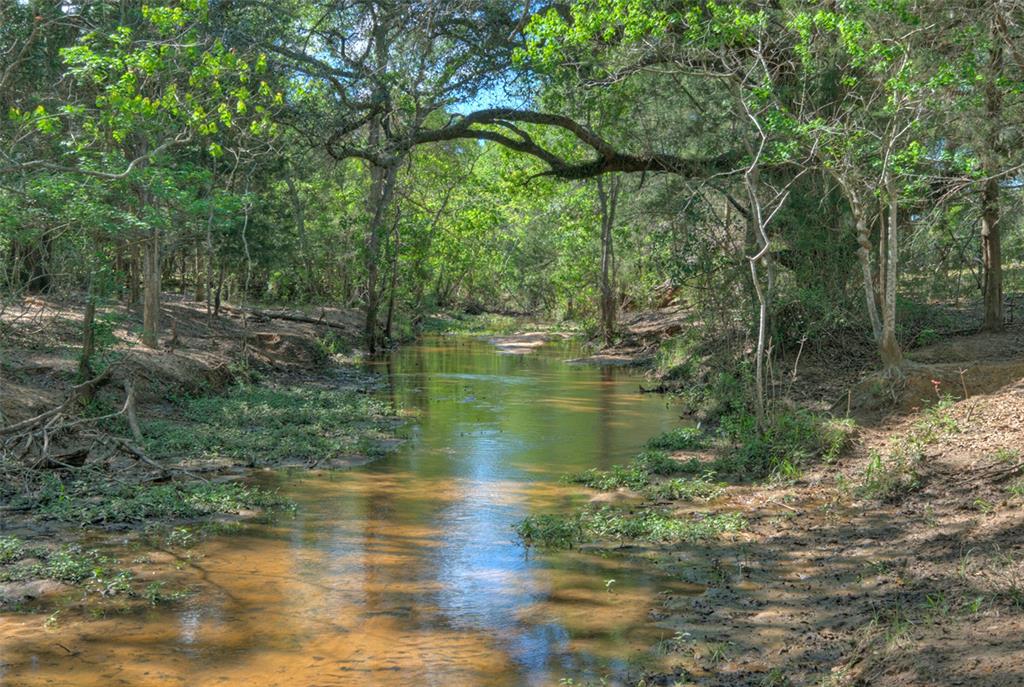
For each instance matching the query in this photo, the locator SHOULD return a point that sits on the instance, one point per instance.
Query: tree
(160, 80)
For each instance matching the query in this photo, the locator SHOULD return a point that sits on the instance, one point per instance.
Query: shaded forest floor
(222, 397)
(884, 568)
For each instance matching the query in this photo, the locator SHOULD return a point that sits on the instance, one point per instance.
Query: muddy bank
(166, 439)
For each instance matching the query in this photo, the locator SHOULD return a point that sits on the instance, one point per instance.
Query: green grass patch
(90, 503)
(257, 425)
(11, 549)
(679, 439)
(786, 442)
(701, 488)
(598, 524)
(71, 564)
(637, 474)
(464, 323)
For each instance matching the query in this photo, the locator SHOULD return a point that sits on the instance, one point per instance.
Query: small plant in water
(156, 593)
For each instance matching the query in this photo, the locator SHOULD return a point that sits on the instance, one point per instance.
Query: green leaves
(164, 78)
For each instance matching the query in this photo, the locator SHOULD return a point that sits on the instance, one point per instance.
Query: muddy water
(404, 572)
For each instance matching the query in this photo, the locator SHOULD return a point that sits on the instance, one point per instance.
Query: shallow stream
(406, 571)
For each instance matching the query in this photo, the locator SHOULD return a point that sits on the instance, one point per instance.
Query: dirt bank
(639, 337)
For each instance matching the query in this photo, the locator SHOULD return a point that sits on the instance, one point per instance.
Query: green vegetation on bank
(98, 576)
(97, 502)
(612, 524)
(736, 451)
(258, 425)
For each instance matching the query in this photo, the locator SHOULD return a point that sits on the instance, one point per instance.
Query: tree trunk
(151, 290)
(88, 340)
(217, 291)
(299, 218)
(134, 268)
(992, 260)
(381, 193)
(864, 257)
(609, 199)
(396, 246)
(200, 293)
(764, 292)
(991, 248)
(183, 273)
(889, 347)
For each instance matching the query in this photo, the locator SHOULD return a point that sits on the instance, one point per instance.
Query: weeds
(635, 475)
(551, 531)
(891, 477)
(888, 479)
(701, 488)
(71, 564)
(595, 524)
(11, 549)
(679, 439)
(258, 425)
(1006, 455)
(156, 593)
(783, 445)
(87, 503)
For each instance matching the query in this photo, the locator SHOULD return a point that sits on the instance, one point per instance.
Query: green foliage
(72, 564)
(601, 524)
(69, 563)
(260, 425)
(551, 531)
(788, 440)
(464, 323)
(11, 549)
(77, 502)
(703, 488)
(893, 476)
(637, 474)
(679, 439)
(889, 478)
(156, 593)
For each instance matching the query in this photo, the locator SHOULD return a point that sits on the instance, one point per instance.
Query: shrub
(787, 441)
